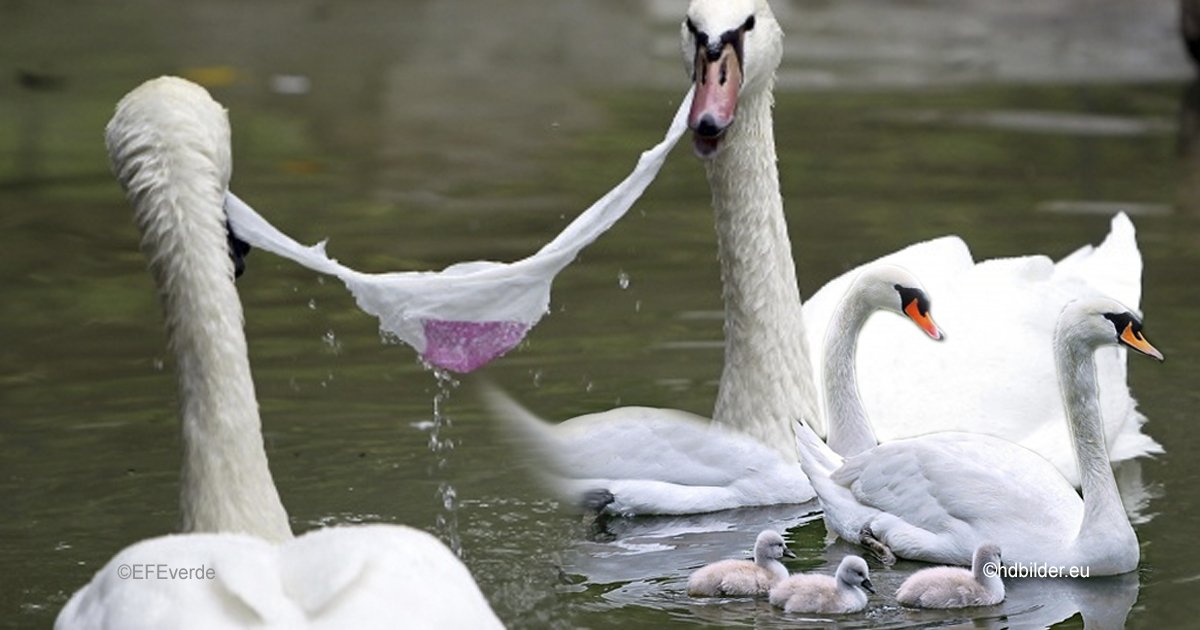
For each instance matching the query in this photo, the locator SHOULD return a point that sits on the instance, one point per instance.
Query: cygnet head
(853, 572)
(986, 553)
(1099, 321)
(770, 546)
(895, 289)
(731, 49)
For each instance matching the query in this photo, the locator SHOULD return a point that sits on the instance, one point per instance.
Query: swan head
(731, 49)
(895, 289)
(770, 545)
(186, 129)
(853, 572)
(1100, 321)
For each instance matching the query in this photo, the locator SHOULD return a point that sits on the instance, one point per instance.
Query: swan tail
(816, 458)
(533, 433)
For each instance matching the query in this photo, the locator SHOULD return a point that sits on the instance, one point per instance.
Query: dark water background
(417, 134)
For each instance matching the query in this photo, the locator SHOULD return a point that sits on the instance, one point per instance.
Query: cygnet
(744, 578)
(845, 592)
(956, 587)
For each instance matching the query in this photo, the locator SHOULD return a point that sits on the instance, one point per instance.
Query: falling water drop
(441, 446)
(623, 279)
(312, 304)
(331, 341)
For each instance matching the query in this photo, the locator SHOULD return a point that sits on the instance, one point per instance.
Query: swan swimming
(955, 587)
(844, 592)
(937, 497)
(744, 578)
(665, 461)
(169, 147)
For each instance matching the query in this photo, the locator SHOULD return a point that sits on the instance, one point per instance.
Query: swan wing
(962, 486)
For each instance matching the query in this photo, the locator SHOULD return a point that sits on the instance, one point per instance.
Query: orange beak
(924, 321)
(1136, 341)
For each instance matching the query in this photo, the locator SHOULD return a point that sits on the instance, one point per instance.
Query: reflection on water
(432, 132)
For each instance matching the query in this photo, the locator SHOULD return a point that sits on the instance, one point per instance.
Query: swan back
(168, 145)
(339, 577)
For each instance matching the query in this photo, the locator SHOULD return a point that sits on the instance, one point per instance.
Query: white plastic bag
(468, 314)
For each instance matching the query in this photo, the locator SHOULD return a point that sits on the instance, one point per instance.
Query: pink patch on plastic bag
(467, 346)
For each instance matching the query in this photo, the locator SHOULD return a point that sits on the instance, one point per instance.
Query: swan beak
(718, 77)
(787, 553)
(869, 586)
(1135, 340)
(924, 320)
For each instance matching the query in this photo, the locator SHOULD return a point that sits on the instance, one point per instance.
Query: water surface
(418, 134)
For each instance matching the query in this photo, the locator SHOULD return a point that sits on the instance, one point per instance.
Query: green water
(407, 159)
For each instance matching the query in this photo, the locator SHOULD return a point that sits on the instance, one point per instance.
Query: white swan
(937, 497)
(169, 146)
(844, 592)
(743, 578)
(955, 587)
(665, 461)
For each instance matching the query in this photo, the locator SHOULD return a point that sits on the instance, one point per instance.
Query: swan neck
(850, 430)
(773, 565)
(226, 485)
(766, 371)
(1104, 514)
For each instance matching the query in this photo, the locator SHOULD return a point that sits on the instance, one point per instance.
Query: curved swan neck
(1103, 513)
(169, 146)
(850, 430)
(766, 371)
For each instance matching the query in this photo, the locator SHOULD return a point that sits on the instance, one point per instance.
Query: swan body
(744, 578)
(769, 376)
(169, 147)
(844, 592)
(654, 461)
(939, 496)
(955, 587)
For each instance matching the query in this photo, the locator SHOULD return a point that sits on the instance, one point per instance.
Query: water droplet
(537, 378)
(623, 279)
(331, 341)
(637, 306)
(312, 304)
(589, 387)
(157, 364)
